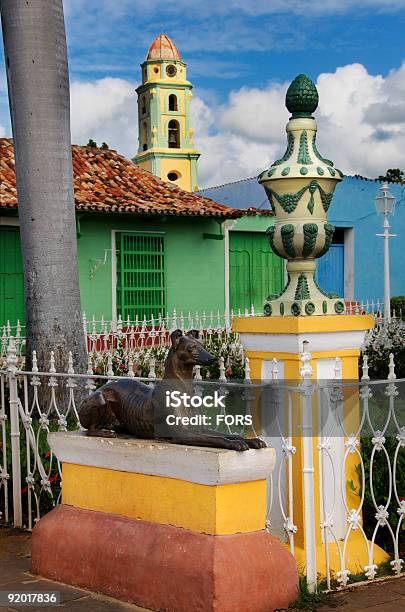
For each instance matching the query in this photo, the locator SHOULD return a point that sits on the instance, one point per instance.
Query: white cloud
(106, 111)
(351, 131)
(361, 126)
(230, 149)
(361, 123)
(256, 114)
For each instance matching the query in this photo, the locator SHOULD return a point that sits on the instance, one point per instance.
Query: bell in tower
(174, 134)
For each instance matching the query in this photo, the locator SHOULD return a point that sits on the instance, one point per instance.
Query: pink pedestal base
(163, 567)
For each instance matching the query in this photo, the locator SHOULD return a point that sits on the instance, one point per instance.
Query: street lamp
(385, 204)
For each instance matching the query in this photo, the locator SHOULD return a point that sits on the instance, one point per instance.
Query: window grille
(140, 275)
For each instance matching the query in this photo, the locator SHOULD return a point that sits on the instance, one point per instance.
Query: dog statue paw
(256, 443)
(238, 445)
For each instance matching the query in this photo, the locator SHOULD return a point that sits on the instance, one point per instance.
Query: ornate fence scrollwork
(338, 464)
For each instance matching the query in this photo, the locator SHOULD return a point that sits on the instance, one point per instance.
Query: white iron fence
(350, 459)
(137, 349)
(340, 475)
(103, 336)
(135, 340)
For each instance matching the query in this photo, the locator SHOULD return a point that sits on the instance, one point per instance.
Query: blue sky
(229, 44)
(241, 55)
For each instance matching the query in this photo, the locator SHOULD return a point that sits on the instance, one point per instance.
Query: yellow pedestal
(329, 337)
(356, 558)
(213, 509)
(281, 338)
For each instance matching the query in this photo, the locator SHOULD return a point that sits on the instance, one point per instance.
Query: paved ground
(15, 576)
(385, 596)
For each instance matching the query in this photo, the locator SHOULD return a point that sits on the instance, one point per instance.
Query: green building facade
(134, 266)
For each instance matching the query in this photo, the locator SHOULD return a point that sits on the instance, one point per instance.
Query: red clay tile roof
(163, 48)
(105, 181)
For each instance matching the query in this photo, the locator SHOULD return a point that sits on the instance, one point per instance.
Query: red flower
(48, 455)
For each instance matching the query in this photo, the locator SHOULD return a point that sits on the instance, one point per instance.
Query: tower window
(172, 176)
(143, 105)
(174, 134)
(172, 102)
(144, 136)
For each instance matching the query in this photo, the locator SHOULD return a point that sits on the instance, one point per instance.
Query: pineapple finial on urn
(300, 188)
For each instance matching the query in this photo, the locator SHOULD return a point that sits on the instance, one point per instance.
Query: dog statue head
(90, 408)
(188, 349)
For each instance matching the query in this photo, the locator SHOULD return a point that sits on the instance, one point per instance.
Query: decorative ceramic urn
(300, 187)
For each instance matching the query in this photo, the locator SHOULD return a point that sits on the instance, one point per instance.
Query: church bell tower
(164, 117)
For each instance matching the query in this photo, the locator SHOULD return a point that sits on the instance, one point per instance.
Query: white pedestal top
(209, 466)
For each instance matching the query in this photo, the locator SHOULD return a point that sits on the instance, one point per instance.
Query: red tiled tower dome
(163, 48)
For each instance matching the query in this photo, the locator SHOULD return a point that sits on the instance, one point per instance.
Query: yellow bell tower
(164, 117)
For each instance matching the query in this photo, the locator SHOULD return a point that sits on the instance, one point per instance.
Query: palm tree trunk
(38, 84)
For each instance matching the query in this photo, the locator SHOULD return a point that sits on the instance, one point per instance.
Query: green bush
(225, 345)
(219, 343)
(398, 306)
(310, 601)
(141, 359)
(380, 343)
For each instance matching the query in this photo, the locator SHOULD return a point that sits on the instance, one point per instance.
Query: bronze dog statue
(140, 410)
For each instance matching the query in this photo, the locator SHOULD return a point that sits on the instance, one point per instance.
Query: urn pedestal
(329, 337)
(165, 526)
(303, 324)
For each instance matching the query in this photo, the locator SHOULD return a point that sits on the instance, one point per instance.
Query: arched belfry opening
(173, 106)
(174, 134)
(144, 136)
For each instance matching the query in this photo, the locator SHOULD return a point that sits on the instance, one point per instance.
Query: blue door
(330, 273)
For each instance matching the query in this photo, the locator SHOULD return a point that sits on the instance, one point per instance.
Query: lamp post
(385, 204)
